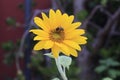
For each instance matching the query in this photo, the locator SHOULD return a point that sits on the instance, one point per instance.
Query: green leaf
(82, 15)
(55, 79)
(114, 73)
(105, 53)
(110, 62)
(104, 2)
(65, 61)
(49, 55)
(36, 59)
(107, 78)
(20, 75)
(9, 58)
(8, 45)
(100, 68)
(11, 21)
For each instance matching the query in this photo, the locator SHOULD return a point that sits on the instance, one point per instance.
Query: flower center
(57, 34)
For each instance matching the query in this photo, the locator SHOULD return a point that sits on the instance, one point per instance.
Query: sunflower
(59, 33)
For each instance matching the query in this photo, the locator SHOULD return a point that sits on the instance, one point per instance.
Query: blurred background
(98, 60)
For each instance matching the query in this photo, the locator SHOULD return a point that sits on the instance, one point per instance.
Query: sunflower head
(59, 33)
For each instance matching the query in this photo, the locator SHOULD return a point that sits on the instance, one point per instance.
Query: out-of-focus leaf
(90, 37)
(49, 55)
(100, 69)
(65, 61)
(56, 79)
(82, 15)
(105, 53)
(110, 62)
(104, 2)
(11, 21)
(8, 45)
(107, 78)
(36, 60)
(9, 58)
(20, 75)
(114, 73)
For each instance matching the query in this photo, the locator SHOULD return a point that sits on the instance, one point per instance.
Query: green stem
(62, 73)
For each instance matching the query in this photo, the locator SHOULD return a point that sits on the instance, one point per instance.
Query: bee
(59, 29)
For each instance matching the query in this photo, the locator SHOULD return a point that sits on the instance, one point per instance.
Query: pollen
(57, 35)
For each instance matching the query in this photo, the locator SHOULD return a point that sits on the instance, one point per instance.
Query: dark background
(98, 60)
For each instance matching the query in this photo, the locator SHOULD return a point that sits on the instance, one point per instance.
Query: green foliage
(7, 46)
(107, 78)
(55, 79)
(105, 53)
(82, 15)
(112, 50)
(9, 58)
(108, 66)
(89, 41)
(101, 68)
(73, 71)
(113, 73)
(110, 62)
(11, 51)
(104, 2)
(10, 21)
(36, 59)
(20, 76)
(37, 62)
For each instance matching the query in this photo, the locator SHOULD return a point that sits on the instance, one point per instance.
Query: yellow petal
(48, 44)
(67, 54)
(73, 52)
(59, 17)
(55, 51)
(73, 26)
(44, 16)
(64, 48)
(58, 12)
(46, 20)
(65, 16)
(39, 22)
(65, 21)
(74, 33)
(52, 17)
(51, 13)
(72, 44)
(40, 38)
(71, 18)
(39, 45)
(76, 24)
(80, 39)
(39, 32)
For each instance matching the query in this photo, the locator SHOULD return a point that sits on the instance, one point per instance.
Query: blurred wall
(11, 33)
